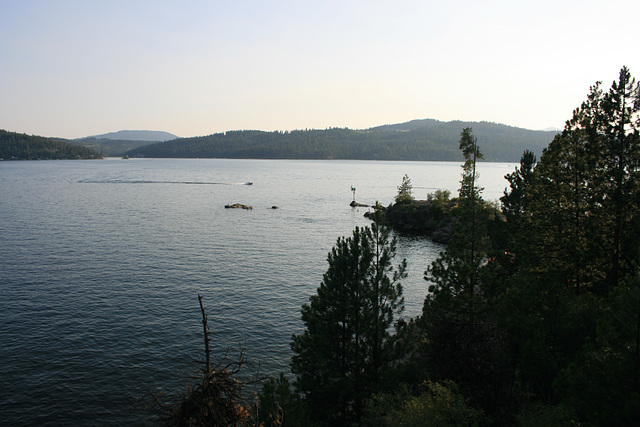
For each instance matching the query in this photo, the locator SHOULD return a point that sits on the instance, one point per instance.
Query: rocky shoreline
(421, 218)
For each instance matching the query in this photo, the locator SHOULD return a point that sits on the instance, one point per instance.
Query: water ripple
(99, 283)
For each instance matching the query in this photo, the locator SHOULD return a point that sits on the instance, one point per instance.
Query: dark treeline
(116, 144)
(533, 311)
(110, 147)
(416, 140)
(19, 146)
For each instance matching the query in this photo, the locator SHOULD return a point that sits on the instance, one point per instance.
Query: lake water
(101, 263)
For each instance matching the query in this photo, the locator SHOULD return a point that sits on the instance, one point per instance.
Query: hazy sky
(77, 68)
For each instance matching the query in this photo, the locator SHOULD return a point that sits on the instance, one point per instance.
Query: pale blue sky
(73, 68)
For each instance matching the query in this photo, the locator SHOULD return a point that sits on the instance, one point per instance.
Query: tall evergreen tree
(550, 261)
(609, 123)
(603, 382)
(339, 355)
(508, 234)
(515, 202)
(562, 226)
(462, 342)
(404, 190)
(612, 122)
(383, 291)
(573, 226)
(455, 272)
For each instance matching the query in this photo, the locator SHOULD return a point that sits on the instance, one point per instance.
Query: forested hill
(115, 144)
(137, 135)
(111, 147)
(415, 140)
(20, 146)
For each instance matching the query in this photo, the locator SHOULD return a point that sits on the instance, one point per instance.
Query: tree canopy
(533, 310)
(339, 357)
(17, 146)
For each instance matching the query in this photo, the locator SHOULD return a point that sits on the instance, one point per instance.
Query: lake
(102, 261)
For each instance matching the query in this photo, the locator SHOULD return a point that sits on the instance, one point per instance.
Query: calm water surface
(101, 263)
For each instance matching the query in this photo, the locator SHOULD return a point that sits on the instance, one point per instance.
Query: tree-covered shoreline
(423, 140)
(533, 311)
(19, 146)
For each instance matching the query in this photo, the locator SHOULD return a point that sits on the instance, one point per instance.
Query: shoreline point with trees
(533, 311)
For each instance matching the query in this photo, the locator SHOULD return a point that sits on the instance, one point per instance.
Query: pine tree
(508, 234)
(575, 228)
(339, 355)
(462, 342)
(604, 381)
(456, 271)
(612, 122)
(404, 190)
(515, 202)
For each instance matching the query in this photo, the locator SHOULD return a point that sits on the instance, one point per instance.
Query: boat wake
(141, 181)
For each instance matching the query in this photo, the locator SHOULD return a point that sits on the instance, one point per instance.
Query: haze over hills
(114, 144)
(426, 139)
(136, 135)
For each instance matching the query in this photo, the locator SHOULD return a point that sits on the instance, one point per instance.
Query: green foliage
(339, 357)
(16, 146)
(419, 218)
(277, 405)
(572, 221)
(507, 234)
(438, 405)
(528, 320)
(611, 123)
(455, 272)
(111, 147)
(561, 212)
(439, 201)
(545, 415)
(610, 362)
(463, 341)
(585, 199)
(570, 235)
(404, 191)
(515, 202)
(469, 147)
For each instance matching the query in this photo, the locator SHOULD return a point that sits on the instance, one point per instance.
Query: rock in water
(238, 206)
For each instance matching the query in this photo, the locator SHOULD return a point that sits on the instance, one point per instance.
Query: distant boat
(125, 157)
(248, 183)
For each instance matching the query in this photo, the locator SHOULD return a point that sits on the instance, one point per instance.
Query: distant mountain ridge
(115, 144)
(422, 139)
(425, 139)
(136, 135)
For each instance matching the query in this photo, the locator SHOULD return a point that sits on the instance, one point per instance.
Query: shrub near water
(404, 191)
(438, 405)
